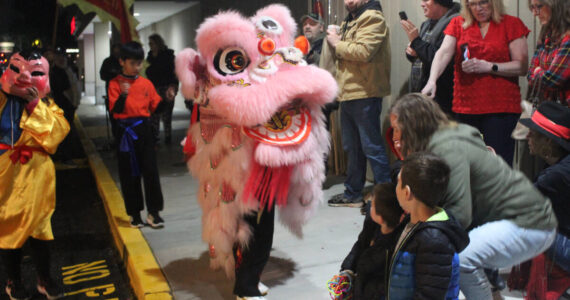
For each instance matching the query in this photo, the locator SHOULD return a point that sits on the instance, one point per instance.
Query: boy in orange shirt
(132, 99)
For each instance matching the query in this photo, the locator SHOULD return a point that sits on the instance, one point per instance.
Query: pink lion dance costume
(261, 138)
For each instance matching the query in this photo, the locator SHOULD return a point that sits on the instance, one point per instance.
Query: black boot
(497, 282)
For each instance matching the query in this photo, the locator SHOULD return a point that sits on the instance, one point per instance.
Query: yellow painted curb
(147, 279)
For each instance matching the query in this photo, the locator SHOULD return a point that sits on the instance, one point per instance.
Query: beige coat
(362, 57)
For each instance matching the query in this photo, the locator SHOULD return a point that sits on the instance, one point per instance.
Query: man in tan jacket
(361, 51)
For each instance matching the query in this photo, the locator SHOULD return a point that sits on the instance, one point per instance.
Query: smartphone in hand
(465, 52)
(403, 15)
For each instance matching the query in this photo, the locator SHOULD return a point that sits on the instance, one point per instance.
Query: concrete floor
(298, 269)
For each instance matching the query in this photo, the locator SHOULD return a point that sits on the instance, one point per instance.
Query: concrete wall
(102, 51)
(88, 52)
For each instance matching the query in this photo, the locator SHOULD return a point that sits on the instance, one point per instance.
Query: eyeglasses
(536, 7)
(481, 3)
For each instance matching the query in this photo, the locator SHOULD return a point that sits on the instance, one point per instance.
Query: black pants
(255, 256)
(12, 258)
(164, 113)
(113, 121)
(496, 130)
(131, 186)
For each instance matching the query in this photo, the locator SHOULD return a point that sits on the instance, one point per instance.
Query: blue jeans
(559, 252)
(494, 245)
(361, 139)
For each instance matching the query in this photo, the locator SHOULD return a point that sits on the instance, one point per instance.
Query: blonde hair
(497, 12)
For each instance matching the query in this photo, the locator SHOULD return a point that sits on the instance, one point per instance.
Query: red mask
(22, 74)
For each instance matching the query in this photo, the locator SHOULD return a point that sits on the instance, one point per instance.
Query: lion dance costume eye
(231, 61)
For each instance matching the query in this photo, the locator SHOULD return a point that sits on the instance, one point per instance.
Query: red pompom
(266, 46)
(302, 44)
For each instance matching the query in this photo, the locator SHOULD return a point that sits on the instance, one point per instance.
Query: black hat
(552, 120)
(313, 16)
(446, 3)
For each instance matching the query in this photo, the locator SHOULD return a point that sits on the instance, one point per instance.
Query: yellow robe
(27, 191)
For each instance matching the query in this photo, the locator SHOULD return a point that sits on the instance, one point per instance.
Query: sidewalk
(297, 269)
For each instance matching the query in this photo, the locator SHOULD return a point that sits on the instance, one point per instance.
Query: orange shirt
(141, 101)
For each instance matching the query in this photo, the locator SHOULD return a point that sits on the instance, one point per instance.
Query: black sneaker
(136, 221)
(340, 200)
(497, 282)
(49, 289)
(16, 291)
(154, 220)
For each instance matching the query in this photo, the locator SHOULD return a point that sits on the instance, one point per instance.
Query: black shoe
(497, 282)
(16, 291)
(340, 200)
(365, 209)
(49, 289)
(136, 221)
(154, 220)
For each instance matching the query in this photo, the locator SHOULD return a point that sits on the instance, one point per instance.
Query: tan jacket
(363, 57)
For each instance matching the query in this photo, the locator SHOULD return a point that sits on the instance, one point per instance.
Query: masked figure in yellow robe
(31, 128)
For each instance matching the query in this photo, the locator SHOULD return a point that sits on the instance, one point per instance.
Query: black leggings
(256, 255)
(12, 258)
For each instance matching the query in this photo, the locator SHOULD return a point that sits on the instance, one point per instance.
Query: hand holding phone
(403, 15)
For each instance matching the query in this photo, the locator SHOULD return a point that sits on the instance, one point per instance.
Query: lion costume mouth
(289, 126)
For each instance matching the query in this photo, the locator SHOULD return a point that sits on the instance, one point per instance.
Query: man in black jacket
(313, 30)
(425, 43)
(110, 68)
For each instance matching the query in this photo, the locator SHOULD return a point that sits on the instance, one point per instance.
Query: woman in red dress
(490, 52)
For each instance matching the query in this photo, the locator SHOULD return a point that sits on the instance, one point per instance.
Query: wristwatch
(495, 68)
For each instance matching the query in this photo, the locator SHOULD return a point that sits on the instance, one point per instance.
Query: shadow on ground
(205, 283)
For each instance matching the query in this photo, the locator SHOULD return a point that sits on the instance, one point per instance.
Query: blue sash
(128, 139)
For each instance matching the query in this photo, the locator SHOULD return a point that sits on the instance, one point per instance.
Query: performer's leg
(255, 256)
(42, 260)
(11, 259)
(41, 257)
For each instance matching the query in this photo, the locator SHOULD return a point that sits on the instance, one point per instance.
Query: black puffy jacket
(369, 259)
(426, 264)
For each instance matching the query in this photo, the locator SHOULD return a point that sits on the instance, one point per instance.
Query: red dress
(486, 93)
